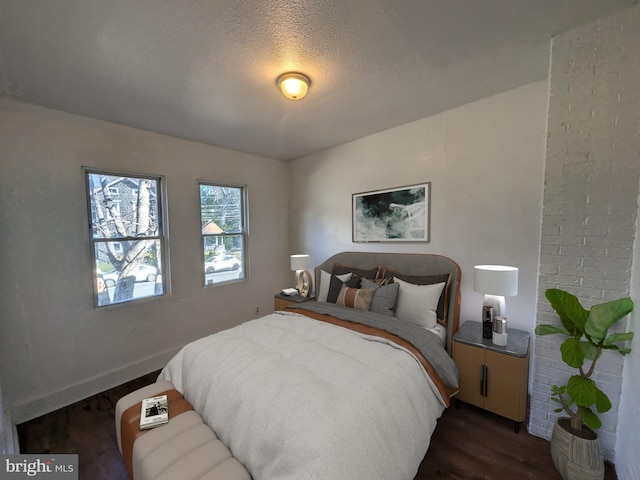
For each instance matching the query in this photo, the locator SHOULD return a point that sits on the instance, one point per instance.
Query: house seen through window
(127, 236)
(222, 215)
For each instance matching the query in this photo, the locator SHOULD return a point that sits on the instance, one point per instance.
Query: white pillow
(418, 303)
(325, 280)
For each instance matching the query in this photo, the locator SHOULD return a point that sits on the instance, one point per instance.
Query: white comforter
(294, 398)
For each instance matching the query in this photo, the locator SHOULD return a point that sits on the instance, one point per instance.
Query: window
(127, 236)
(224, 232)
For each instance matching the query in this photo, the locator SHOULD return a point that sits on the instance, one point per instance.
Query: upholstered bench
(184, 449)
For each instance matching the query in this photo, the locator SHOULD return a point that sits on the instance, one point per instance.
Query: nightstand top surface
(470, 333)
(297, 298)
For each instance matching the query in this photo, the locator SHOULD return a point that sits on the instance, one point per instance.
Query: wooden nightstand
(493, 377)
(281, 301)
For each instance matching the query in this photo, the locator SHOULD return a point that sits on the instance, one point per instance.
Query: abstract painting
(398, 214)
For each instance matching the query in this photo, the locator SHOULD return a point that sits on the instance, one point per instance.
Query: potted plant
(574, 446)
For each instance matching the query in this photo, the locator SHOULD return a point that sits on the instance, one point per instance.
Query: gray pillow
(384, 300)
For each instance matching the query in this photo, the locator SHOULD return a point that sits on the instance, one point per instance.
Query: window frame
(162, 235)
(244, 231)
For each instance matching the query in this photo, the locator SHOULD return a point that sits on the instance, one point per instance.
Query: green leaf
(546, 329)
(590, 350)
(590, 419)
(602, 316)
(582, 390)
(624, 350)
(602, 401)
(572, 353)
(572, 315)
(556, 389)
(617, 337)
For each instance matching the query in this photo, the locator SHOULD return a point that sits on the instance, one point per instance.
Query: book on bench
(155, 411)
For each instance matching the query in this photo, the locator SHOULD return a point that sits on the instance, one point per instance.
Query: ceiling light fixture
(293, 85)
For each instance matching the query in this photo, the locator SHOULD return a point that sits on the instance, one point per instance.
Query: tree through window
(127, 236)
(222, 215)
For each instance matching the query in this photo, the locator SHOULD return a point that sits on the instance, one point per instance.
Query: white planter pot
(574, 457)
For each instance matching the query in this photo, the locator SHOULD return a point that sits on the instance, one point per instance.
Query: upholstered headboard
(409, 264)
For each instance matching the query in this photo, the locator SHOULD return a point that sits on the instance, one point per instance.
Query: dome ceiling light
(293, 85)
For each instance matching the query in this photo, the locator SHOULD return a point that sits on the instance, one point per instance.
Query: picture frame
(399, 214)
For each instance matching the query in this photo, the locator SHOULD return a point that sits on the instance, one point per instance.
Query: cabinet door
(470, 362)
(506, 385)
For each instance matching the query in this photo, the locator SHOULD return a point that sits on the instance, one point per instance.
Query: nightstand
(281, 301)
(492, 377)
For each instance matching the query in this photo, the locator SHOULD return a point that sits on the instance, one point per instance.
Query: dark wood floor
(468, 443)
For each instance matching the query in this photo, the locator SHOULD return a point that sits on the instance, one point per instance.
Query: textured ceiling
(205, 69)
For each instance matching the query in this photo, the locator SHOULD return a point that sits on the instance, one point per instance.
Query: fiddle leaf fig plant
(587, 333)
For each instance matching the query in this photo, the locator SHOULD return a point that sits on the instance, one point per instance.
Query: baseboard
(58, 399)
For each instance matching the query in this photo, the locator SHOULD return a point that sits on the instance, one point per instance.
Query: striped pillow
(358, 298)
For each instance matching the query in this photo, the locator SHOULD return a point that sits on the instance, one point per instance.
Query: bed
(339, 387)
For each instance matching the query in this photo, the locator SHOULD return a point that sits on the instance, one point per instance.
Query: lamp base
(304, 282)
(496, 302)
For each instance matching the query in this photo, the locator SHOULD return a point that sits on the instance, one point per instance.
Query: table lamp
(300, 263)
(496, 282)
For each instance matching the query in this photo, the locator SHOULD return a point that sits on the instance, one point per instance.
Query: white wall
(56, 347)
(628, 434)
(485, 164)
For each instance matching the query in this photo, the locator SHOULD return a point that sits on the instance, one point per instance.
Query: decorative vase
(576, 455)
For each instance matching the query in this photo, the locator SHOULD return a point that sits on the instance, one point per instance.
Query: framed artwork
(399, 214)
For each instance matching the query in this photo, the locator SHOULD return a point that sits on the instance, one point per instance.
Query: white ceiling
(205, 69)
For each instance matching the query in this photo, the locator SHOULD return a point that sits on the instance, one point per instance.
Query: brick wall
(590, 195)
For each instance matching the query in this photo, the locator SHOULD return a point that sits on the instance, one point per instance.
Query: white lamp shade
(299, 262)
(496, 280)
